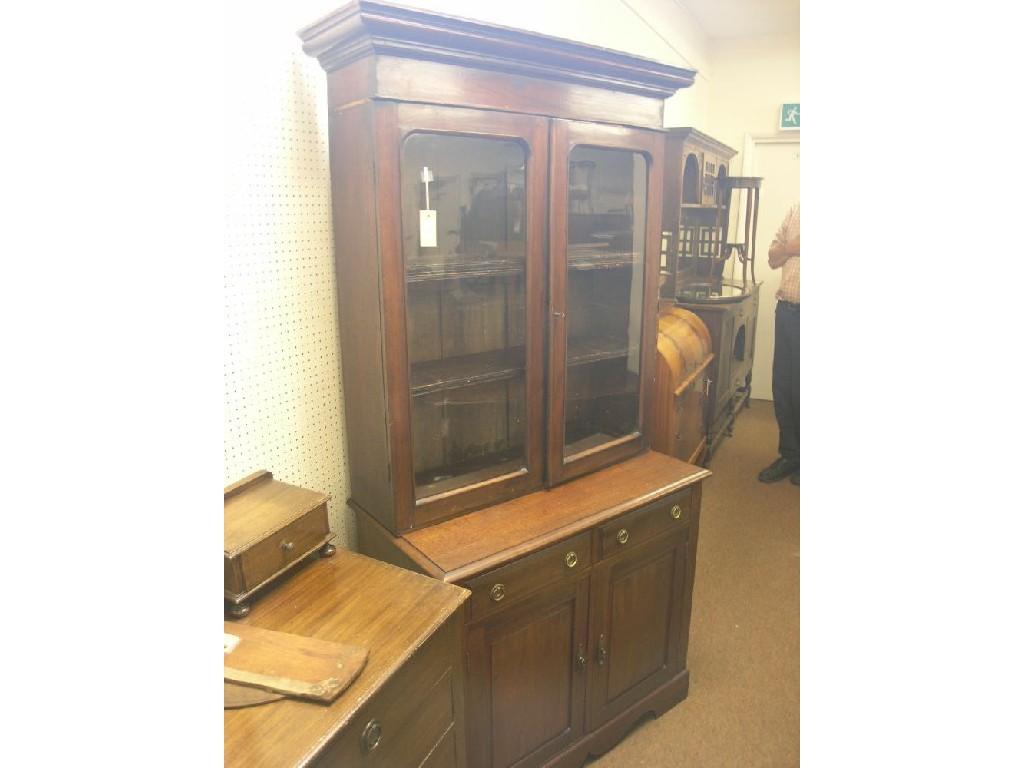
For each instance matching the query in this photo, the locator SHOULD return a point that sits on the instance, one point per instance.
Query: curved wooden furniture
(679, 426)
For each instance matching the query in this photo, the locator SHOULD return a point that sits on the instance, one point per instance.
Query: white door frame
(750, 145)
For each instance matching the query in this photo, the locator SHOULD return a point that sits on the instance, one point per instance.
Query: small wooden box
(269, 528)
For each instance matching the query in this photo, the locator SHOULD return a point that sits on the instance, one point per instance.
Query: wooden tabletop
(468, 545)
(351, 599)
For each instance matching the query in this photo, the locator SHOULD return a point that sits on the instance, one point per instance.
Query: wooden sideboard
(405, 708)
(579, 620)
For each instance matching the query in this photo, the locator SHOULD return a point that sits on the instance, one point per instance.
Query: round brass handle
(677, 511)
(371, 735)
(622, 536)
(571, 559)
(497, 592)
(287, 546)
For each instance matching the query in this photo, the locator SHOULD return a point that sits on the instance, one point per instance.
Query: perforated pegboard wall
(283, 408)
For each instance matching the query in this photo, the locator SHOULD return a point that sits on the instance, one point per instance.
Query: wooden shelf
(701, 207)
(581, 259)
(466, 370)
(501, 364)
(593, 349)
(462, 269)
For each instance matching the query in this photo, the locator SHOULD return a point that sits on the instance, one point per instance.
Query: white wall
(283, 405)
(753, 77)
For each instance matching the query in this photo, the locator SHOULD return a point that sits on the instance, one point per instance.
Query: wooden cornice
(364, 27)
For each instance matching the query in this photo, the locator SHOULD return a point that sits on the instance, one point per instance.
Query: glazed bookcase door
(605, 239)
(464, 267)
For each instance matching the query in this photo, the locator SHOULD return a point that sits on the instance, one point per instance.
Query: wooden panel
(443, 754)
(644, 524)
(637, 605)
(341, 599)
(409, 80)
(273, 553)
(523, 577)
(354, 210)
(305, 667)
(412, 713)
(524, 686)
(640, 602)
(491, 537)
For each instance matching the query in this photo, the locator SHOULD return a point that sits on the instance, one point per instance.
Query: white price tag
(428, 229)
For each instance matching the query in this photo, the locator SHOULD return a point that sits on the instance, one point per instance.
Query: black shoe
(795, 477)
(779, 469)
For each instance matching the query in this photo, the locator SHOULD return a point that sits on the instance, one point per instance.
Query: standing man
(785, 253)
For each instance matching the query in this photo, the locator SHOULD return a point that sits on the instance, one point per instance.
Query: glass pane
(463, 230)
(607, 216)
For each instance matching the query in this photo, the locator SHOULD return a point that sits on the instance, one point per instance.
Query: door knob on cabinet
(622, 536)
(571, 559)
(497, 592)
(677, 511)
(581, 660)
(287, 546)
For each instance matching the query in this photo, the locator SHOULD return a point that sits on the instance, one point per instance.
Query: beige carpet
(743, 710)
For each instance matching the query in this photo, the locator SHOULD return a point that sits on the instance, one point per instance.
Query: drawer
(506, 585)
(624, 532)
(281, 549)
(409, 718)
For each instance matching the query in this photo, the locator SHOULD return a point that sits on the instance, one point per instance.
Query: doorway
(778, 162)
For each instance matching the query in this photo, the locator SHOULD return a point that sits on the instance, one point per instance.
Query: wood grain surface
(474, 543)
(305, 667)
(348, 598)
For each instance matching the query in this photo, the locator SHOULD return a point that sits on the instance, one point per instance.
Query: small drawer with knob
(503, 586)
(269, 527)
(663, 516)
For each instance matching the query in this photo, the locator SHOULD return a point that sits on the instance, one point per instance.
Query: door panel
(637, 609)
(525, 684)
(463, 271)
(604, 260)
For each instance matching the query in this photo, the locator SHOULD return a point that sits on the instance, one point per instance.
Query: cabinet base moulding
(611, 733)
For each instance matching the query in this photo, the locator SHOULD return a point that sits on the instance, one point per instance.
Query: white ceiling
(745, 18)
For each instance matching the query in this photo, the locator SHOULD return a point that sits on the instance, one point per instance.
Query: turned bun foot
(327, 550)
(238, 611)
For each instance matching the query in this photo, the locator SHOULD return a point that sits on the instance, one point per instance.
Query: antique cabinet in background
(497, 214)
(703, 234)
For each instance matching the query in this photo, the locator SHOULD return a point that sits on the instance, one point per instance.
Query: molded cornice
(364, 27)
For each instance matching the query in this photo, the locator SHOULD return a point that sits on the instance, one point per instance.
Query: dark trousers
(786, 378)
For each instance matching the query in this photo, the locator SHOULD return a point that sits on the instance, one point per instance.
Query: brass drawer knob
(571, 559)
(622, 536)
(497, 592)
(287, 546)
(371, 735)
(677, 511)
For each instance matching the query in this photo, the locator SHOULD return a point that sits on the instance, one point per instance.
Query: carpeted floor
(743, 710)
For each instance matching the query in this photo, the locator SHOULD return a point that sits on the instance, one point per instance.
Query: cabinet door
(639, 607)
(463, 277)
(605, 237)
(525, 682)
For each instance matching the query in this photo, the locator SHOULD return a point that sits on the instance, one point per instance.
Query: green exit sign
(789, 117)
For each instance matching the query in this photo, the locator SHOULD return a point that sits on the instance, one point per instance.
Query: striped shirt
(789, 287)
